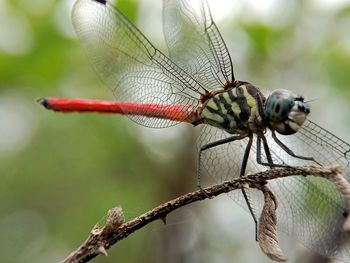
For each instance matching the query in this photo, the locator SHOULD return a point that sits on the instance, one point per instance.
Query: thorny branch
(101, 239)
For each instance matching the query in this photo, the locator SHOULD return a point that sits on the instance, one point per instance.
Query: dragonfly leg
(242, 171)
(267, 151)
(245, 195)
(208, 146)
(289, 151)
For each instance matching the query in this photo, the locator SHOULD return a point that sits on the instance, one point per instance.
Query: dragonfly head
(285, 111)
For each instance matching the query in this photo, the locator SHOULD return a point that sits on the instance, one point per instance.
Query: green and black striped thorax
(237, 109)
(241, 108)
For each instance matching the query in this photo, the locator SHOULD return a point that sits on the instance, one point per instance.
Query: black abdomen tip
(44, 102)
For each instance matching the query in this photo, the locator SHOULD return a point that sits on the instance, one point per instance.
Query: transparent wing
(309, 208)
(130, 65)
(223, 163)
(195, 42)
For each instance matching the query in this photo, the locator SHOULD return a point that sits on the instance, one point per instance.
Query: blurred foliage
(61, 173)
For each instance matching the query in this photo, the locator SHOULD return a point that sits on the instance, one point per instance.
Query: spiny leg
(268, 156)
(211, 145)
(242, 170)
(289, 151)
(270, 162)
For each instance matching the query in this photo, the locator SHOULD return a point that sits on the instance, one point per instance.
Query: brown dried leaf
(267, 235)
(344, 187)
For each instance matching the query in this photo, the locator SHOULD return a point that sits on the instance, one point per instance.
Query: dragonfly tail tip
(44, 102)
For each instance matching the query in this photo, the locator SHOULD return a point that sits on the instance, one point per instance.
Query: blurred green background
(60, 173)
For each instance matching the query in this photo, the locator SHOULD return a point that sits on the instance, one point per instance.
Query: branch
(101, 239)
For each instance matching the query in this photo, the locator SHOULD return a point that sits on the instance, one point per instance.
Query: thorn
(163, 220)
(102, 251)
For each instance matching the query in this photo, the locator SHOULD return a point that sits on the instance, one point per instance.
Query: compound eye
(283, 108)
(278, 106)
(285, 111)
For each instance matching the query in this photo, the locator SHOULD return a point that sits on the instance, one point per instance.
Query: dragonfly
(241, 128)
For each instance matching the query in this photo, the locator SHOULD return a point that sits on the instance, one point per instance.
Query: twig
(100, 240)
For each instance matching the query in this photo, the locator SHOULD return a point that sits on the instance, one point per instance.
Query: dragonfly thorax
(237, 110)
(285, 111)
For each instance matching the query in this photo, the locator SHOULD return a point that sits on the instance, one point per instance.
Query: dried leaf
(344, 187)
(267, 235)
